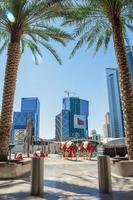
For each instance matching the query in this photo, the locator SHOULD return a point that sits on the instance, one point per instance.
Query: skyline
(83, 74)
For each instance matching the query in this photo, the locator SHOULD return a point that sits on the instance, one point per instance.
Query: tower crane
(68, 93)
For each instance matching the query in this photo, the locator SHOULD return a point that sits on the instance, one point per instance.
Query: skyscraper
(30, 110)
(58, 127)
(106, 126)
(115, 109)
(32, 105)
(73, 120)
(62, 122)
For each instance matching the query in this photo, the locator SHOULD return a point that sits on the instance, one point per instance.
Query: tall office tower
(30, 110)
(115, 109)
(62, 125)
(106, 126)
(32, 105)
(74, 118)
(130, 61)
(58, 127)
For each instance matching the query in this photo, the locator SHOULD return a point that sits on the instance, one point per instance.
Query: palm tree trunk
(13, 58)
(125, 83)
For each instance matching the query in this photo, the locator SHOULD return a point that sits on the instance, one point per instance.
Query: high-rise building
(115, 108)
(32, 105)
(116, 115)
(58, 127)
(106, 126)
(130, 61)
(62, 125)
(30, 110)
(72, 122)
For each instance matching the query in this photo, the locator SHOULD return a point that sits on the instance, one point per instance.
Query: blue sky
(84, 74)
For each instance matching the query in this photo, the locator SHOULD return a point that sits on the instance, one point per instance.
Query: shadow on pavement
(91, 192)
(15, 196)
(71, 187)
(74, 192)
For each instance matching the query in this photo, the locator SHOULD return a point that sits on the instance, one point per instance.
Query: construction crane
(68, 93)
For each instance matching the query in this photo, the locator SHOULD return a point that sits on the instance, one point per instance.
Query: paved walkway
(70, 180)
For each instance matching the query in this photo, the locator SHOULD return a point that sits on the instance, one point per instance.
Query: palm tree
(94, 22)
(23, 23)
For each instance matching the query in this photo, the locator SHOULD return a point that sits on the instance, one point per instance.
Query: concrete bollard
(37, 176)
(104, 174)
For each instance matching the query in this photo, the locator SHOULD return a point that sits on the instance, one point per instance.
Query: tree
(24, 23)
(94, 22)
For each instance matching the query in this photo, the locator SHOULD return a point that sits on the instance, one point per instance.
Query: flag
(80, 121)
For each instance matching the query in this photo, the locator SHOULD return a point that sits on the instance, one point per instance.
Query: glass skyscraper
(58, 127)
(115, 108)
(116, 113)
(72, 122)
(32, 105)
(30, 109)
(62, 124)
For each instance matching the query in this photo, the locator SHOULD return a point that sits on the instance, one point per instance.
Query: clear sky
(84, 74)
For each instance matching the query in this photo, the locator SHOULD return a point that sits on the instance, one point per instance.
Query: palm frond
(130, 27)
(34, 21)
(90, 20)
(32, 46)
(77, 46)
(4, 45)
(51, 50)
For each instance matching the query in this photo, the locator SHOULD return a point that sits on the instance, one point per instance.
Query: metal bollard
(37, 176)
(104, 174)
